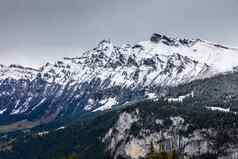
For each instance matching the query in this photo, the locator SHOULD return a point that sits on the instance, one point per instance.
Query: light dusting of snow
(22, 108)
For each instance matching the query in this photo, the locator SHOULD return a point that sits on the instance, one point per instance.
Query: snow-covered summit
(146, 63)
(221, 57)
(190, 59)
(122, 73)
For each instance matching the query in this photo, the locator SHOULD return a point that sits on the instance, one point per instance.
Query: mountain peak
(104, 44)
(108, 75)
(172, 41)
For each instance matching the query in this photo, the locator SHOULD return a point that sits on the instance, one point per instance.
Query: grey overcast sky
(35, 31)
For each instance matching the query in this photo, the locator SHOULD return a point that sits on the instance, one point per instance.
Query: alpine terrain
(166, 95)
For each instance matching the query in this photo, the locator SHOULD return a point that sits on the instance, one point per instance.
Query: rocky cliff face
(166, 126)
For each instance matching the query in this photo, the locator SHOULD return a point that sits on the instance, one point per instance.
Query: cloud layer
(33, 31)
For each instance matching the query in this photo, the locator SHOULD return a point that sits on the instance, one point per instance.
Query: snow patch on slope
(41, 102)
(181, 98)
(106, 104)
(2, 111)
(225, 110)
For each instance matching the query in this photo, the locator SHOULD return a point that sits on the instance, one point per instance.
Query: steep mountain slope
(112, 102)
(107, 76)
(126, 131)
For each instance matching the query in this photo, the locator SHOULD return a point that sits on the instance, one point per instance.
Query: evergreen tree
(173, 155)
(152, 153)
(163, 154)
(73, 156)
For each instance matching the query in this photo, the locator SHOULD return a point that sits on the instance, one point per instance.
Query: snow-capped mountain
(109, 75)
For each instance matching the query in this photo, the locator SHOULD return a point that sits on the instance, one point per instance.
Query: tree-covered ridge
(85, 137)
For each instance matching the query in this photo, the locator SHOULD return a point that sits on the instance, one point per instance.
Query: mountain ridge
(154, 35)
(114, 102)
(109, 75)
